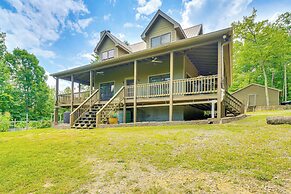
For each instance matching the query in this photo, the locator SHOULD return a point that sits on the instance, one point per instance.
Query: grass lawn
(241, 157)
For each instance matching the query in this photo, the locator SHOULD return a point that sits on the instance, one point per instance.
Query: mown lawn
(240, 157)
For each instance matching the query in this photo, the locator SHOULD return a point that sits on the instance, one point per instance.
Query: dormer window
(160, 40)
(108, 54)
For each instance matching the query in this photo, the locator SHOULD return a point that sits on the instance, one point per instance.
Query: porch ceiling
(204, 58)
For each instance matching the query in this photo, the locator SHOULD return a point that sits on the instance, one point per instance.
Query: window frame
(107, 54)
(255, 99)
(160, 39)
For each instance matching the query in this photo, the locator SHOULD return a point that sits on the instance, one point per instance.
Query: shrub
(4, 122)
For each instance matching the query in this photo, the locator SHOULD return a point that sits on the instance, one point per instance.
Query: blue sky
(63, 33)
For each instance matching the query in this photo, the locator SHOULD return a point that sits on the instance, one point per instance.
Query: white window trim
(107, 54)
(161, 39)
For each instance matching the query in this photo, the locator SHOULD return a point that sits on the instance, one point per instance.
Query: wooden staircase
(88, 119)
(91, 112)
(233, 105)
(111, 107)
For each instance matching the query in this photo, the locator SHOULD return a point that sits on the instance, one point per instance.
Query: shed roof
(259, 85)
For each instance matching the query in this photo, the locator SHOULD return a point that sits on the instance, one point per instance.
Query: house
(254, 95)
(173, 74)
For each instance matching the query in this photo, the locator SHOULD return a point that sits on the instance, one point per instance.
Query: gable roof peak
(116, 41)
(165, 16)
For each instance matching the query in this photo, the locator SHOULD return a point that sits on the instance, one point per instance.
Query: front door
(106, 91)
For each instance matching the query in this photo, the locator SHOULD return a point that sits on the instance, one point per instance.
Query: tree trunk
(285, 82)
(277, 120)
(266, 86)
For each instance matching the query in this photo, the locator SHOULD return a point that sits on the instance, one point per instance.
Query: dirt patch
(122, 177)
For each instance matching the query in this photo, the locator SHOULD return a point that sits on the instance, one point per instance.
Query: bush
(33, 124)
(4, 122)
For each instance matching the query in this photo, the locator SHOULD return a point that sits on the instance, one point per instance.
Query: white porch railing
(79, 97)
(197, 85)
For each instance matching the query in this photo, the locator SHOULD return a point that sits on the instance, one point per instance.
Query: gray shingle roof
(193, 31)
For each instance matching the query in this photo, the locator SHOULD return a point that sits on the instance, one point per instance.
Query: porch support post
(79, 95)
(124, 109)
(134, 91)
(212, 108)
(56, 110)
(91, 85)
(91, 82)
(219, 81)
(171, 85)
(72, 93)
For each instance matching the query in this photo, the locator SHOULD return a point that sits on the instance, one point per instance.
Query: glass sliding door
(161, 89)
(106, 91)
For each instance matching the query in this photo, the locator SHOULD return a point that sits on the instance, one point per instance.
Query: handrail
(237, 104)
(109, 101)
(85, 101)
(188, 86)
(83, 107)
(100, 114)
(69, 94)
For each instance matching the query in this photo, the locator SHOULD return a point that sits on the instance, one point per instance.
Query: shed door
(252, 100)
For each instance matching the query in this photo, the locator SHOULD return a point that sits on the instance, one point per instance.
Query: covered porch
(193, 74)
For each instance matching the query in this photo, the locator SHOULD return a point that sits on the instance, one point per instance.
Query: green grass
(243, 156)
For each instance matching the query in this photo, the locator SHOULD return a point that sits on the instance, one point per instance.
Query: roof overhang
(174, 46)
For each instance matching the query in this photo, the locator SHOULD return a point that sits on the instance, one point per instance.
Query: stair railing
(234, 103)
(110, 107)
(84, 107)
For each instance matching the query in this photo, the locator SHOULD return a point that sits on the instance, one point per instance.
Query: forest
(261, 55)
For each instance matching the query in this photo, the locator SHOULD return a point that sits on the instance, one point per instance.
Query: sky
(63, 33)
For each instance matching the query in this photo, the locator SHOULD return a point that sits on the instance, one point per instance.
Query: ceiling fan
(155, 60)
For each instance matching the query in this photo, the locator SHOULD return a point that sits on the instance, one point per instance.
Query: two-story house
(173, 74)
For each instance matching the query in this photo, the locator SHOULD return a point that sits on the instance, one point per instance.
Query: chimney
(103, 32)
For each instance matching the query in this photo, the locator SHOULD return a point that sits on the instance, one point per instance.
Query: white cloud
(112, 2)
(51, 82)
(146, 8)
(121, 36)
(225, 12)
(34, 24)
(190, 7)
(87, 56)
(94, 39)
(131, 25)
(106, 17)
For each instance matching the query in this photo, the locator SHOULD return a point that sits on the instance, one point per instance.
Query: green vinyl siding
(160, 27)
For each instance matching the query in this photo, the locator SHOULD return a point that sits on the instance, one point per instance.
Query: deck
(185, 91)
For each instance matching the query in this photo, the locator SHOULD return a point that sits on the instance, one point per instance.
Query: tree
(6, 98)
(257, 46)
(30, 81)
(95, 58)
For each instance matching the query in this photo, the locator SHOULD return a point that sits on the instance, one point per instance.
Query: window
(160, 40)
(159, 89)
(159, 78)
(108, 54)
